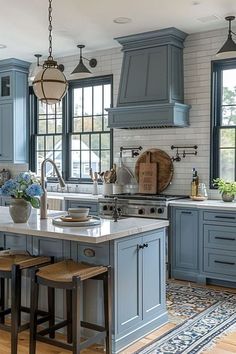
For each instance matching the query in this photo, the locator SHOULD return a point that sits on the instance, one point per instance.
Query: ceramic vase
(20, 210)
(226, 197)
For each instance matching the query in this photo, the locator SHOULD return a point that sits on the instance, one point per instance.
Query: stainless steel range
(141, 205)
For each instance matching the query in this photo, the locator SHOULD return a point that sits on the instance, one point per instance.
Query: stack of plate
(67, 220)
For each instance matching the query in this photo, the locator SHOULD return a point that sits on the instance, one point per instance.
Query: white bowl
(78, 212)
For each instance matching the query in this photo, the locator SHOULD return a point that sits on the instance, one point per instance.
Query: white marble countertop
(206, 204)
(107, 230)
(74, 196)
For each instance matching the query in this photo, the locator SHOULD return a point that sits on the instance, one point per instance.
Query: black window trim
(216, 83)
(67, 113)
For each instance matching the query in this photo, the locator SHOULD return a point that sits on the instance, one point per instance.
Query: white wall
(200, 49)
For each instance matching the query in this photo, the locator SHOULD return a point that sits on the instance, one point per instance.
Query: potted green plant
(227, 189)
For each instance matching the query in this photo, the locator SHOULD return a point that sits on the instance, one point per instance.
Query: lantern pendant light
(50, 84)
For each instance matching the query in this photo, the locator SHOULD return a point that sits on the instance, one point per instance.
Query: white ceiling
(24, 23)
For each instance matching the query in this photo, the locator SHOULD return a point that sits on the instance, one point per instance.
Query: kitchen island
(135, 249)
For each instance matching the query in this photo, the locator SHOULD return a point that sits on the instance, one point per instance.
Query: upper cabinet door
(6, 131)
(144, 76)
(5, 85)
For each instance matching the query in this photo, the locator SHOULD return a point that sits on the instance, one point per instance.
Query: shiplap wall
(200, 49)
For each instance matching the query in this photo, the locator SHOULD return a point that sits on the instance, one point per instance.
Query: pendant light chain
(50, 84)
(50, 30)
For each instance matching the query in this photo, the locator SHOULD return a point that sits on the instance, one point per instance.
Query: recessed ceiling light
(2, 46)
(122, 20)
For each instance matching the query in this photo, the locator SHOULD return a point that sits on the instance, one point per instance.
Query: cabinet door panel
(219, 236)
(15, 242)
(153, 273)
(220, 262)
(6, 132)
(128, 284)
(185, 239)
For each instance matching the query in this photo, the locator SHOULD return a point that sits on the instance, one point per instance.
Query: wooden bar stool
(11, 267)
(69, 275)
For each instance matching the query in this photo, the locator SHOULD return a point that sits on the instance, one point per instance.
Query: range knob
(104, 207)
(160, 210)
(141, 211)
(111, 208)
(152, 210)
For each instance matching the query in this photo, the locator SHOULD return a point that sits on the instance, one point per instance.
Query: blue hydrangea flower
(25, 186)
(24, 177)
(10, 187)
(34, 190)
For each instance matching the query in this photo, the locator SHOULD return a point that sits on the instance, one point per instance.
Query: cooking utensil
(148, 176)
(123, 174)
(165, 167)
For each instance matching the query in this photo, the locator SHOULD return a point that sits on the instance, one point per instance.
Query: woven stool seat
(12, 265)
(64, 271)
(70, 276)
(24, 261)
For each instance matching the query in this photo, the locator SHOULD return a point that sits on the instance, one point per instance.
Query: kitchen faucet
(43, 199)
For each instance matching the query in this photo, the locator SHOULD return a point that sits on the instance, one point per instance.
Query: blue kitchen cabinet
(218, 238)
(13, 110)
(6, 131)
(139, 286)
(184, 250)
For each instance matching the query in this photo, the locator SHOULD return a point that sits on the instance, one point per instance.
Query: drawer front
(219, 262)
(220, 216)
(221, 237)
(92, 206)
(94, 254)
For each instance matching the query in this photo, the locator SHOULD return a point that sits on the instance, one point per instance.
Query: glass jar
(202, 191)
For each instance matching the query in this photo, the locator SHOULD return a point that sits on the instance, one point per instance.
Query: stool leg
(33, 312)
(2, 300)
(15, 310)
(51, 309)
(107, 308)
(76, 292)
(69, 315)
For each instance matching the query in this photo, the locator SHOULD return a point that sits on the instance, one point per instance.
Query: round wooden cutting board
(165, 168)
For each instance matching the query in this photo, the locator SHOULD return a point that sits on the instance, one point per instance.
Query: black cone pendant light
(228, 49)
(81, 70)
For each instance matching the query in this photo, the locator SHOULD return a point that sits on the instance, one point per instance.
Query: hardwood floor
(225, 345)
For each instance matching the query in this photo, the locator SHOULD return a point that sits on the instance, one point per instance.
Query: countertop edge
(206, 204)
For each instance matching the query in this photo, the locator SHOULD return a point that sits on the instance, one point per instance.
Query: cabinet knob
(140, 247)
(144, 245)
(0, 154)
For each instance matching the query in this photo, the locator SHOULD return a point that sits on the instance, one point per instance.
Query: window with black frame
(90, 138)
(74, 133)
(223, 139)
